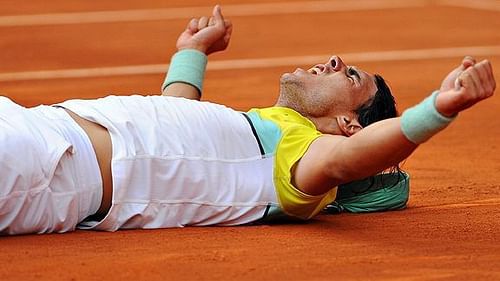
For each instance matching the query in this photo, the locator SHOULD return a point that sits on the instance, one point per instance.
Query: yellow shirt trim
(297, 135)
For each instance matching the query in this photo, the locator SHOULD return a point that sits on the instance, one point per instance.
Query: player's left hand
(207, 35)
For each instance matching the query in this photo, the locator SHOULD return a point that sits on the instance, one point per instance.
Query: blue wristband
(187, 66)
(422, 121)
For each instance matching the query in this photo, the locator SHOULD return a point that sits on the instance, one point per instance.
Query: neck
(325, 125)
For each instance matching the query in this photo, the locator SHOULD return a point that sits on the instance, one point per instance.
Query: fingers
(472, 85)
(475, 77)
(467, 84)
(478, 80)
(202, 23)
(483, 74)
(192, 26)
(229, 30)
(208, 34)
(486, 75)
(467, 62)
(215, 19)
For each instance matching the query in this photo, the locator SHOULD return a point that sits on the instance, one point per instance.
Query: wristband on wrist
(423, 121)
(187, 66)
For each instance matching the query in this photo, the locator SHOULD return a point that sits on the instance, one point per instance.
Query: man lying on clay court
(171, 160)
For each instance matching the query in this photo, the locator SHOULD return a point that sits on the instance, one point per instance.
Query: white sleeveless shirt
(179, 162)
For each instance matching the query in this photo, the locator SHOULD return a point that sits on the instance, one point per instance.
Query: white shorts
(49, 175)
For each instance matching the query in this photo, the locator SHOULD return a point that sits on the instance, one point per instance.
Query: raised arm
(333, 160)
(202, 37)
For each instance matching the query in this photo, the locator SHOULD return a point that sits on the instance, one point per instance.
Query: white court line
(477, 203)
(488, 5)
(397, 55)
(188, 12)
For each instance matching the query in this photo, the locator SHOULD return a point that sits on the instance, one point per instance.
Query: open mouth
(313, 71)
(320, 68)
(317, 69)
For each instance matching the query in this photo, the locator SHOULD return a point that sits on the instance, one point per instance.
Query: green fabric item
(423, 121)
(187, 66)
(383, 192)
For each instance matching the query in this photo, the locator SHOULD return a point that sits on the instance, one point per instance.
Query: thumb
(217, 14)
(467, 62)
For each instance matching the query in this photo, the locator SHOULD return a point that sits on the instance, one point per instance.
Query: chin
(290, 79)
(286, 76)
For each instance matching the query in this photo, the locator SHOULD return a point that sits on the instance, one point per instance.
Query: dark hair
(380, 107)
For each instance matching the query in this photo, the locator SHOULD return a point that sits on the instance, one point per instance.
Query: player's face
(327, 89)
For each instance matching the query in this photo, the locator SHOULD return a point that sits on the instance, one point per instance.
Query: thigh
(22, 178)
(29, 162)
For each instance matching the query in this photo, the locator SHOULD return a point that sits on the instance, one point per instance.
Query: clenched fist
(465, 86)
(207, 35)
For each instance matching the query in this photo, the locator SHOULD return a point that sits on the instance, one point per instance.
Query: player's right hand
(472, 85)
(207, 35)
(449, 82)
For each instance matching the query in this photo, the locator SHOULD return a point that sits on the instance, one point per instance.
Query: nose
(335, 64)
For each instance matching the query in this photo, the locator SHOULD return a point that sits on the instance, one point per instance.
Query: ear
(348, 125)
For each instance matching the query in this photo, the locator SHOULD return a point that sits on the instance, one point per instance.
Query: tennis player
(171, 161)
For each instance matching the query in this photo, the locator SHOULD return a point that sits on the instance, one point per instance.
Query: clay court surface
(56, 50)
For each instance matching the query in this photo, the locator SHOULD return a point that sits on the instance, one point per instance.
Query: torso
(175, 162)
(101, 141)
(128, 133)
